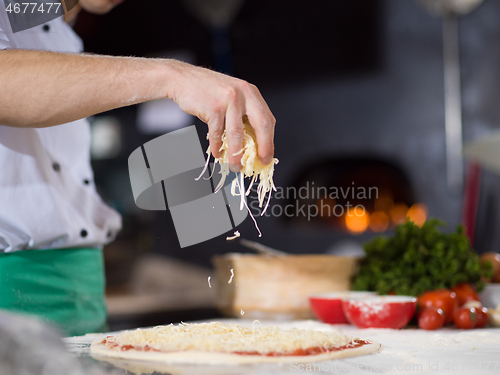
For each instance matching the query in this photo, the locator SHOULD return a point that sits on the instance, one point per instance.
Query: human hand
(98, 6)
(221, 102)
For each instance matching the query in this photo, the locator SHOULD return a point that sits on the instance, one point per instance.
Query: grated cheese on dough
(229, 338)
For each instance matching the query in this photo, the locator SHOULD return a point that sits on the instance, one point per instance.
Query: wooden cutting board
(267, 287)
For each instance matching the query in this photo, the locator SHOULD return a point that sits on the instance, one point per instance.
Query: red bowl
(327, 307)
(380, 311)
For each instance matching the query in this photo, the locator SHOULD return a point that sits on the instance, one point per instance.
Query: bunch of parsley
(417, 259)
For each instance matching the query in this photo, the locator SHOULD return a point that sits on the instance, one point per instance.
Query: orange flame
(417, 213)
(357, 220)
(387, 214)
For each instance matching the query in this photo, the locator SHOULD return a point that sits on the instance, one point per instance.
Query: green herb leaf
(417, 259)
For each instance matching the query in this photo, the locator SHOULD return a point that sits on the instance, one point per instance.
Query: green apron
(64, 287)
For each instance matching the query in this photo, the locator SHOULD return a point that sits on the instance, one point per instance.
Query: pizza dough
(220, 344)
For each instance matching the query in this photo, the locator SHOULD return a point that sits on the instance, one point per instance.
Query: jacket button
(46, 28)
(86, 182)
(56, 166)
(83, 233)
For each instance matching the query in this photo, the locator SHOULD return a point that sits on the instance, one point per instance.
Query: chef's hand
(221, 102)
(98, 6)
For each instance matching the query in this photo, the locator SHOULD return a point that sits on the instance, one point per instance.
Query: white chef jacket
(47, 193)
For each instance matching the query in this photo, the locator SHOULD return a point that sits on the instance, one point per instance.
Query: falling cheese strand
(243, 202)
(251, 167)
(220, 337)
(236, 235)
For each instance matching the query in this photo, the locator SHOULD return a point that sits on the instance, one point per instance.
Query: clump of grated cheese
(251, 167)
(227, 338)
(236, 235)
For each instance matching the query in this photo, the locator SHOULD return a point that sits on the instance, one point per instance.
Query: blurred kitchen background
(357, 88)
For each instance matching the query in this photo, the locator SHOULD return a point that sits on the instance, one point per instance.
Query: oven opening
(355, 195)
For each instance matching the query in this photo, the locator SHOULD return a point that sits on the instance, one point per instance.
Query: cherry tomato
(441, 298)
(431, 318)
(465, 317)
(465, 292)
(482, 317)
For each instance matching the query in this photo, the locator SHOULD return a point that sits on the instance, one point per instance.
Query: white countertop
(411, 350)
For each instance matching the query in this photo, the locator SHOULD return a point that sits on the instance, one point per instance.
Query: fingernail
(235, 168)
(267, 160)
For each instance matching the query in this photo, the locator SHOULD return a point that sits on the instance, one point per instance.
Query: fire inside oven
(355, 195)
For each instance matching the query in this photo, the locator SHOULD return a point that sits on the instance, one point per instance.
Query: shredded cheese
(251, 167)
(253, 325)
(236, 235)
(231, 277)
(220, 337)
(209, 285)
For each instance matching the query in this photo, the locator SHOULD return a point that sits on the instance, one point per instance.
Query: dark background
(271, 42)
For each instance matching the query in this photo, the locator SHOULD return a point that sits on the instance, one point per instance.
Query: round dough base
(216, 358)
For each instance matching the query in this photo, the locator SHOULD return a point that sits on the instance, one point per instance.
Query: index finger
(216, 129)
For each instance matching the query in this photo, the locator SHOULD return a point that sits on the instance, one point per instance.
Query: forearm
(39, 89)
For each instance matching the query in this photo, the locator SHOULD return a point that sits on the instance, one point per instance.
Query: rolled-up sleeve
(5, 41)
